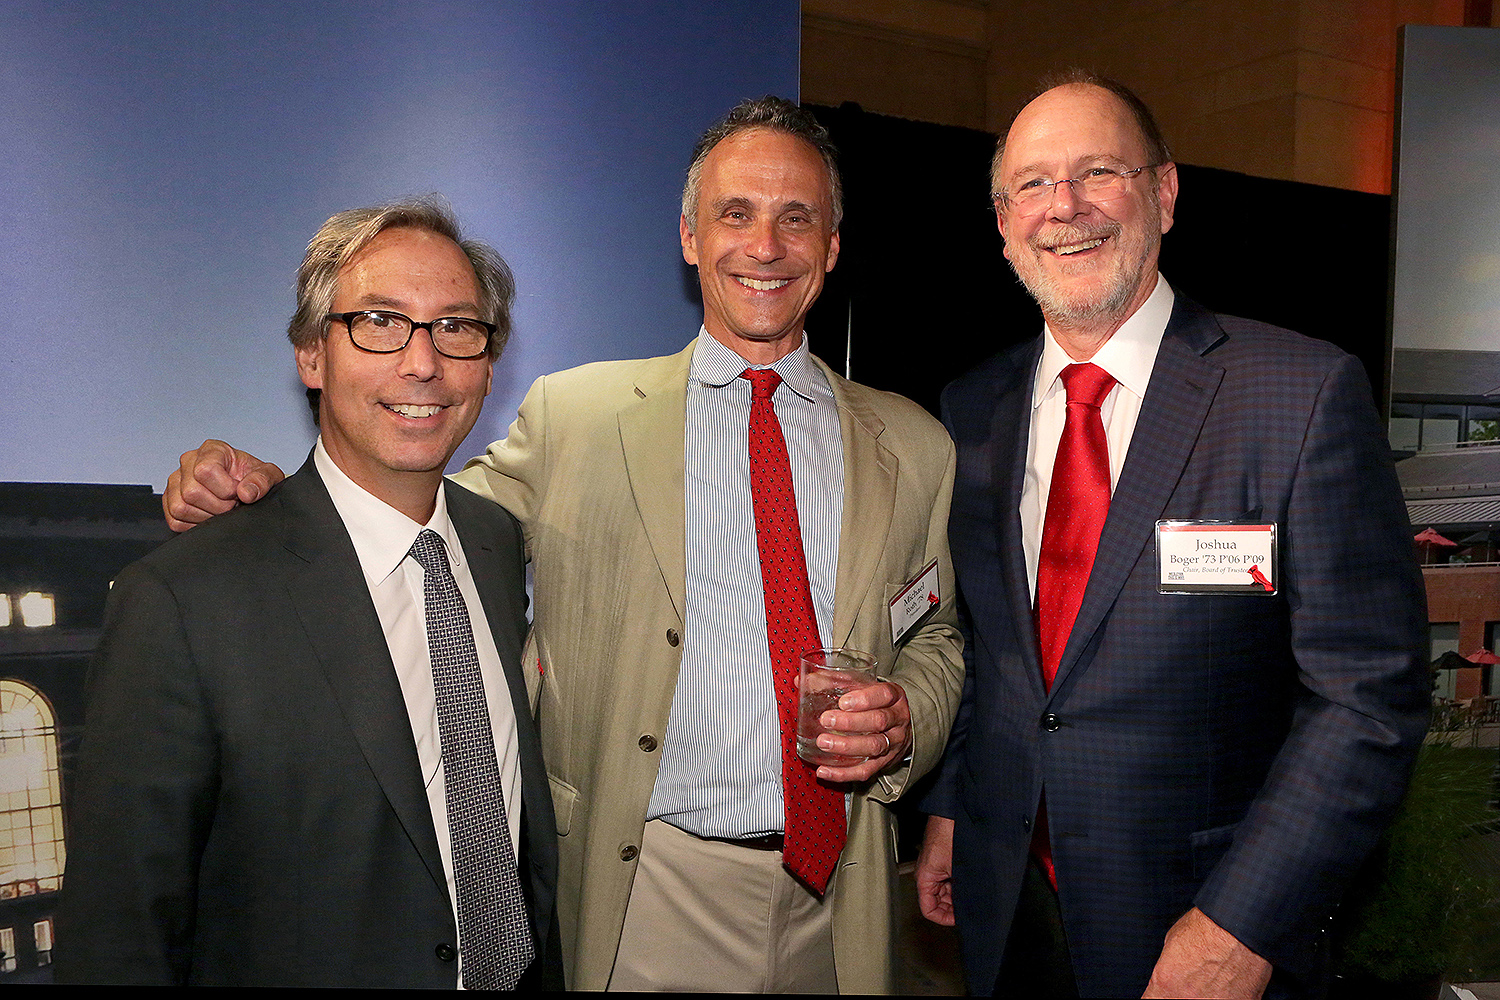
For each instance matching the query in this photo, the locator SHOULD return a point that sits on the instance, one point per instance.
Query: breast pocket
(564, 797)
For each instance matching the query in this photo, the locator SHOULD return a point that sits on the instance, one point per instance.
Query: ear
(1000, 225)
(833, 252)
(689, 241)
(311, 363)
(489, 375)
(1166, 193)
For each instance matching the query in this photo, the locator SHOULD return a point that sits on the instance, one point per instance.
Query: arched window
(32, 853)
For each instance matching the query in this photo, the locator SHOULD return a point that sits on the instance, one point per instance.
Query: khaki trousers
(711, 916)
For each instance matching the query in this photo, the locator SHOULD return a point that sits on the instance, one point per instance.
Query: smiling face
(392, 421)
(764, 242)
(1090, 266)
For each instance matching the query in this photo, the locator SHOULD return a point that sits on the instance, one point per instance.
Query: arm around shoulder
(512, 471)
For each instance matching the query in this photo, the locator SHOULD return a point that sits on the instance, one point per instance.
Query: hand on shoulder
(212, 479)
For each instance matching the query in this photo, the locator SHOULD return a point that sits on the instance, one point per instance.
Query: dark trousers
(1036, 963)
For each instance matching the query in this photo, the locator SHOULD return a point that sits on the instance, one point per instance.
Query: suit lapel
(503, 598)
(1011, 431)
(653, 436)
(332, 601)
(869, 504)
(1182, 388)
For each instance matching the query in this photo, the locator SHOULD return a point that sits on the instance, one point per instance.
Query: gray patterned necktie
(492, 924)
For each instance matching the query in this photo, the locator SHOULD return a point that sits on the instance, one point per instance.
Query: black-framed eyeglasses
(1094, 185)
(380, 331)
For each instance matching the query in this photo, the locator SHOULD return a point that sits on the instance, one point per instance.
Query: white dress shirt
(1129, 356)
(720, 773)
(382, 537)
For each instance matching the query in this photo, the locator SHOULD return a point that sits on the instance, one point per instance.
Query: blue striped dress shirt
(720, 770)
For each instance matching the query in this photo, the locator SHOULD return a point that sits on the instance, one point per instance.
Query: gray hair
(1150, 132)
(347, 233)
(778, 115)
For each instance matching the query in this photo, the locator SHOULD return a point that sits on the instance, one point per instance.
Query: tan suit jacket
(593, 469)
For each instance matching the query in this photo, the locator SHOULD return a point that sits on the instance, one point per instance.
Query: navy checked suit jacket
(1237, 753)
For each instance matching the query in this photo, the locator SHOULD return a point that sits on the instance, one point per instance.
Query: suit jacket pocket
(1208, 847)
(563, 797)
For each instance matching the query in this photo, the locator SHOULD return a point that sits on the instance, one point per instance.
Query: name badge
(915, 602)
(1216, 557)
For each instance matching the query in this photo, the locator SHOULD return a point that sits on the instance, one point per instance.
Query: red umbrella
(1433, 538)
(1482, 655)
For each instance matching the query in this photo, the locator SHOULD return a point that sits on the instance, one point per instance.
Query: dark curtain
(923, 287)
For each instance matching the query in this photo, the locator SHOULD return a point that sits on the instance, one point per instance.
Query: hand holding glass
(827, 675)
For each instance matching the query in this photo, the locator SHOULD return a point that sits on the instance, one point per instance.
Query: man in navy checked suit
(1207, 770)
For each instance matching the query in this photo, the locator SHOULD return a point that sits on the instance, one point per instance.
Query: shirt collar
(1129, 355)
(381, 534)
(716, 365)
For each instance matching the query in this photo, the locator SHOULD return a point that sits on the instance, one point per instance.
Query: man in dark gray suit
(1196, 682)
(309, 757)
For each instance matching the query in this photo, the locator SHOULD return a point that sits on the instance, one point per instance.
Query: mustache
(1075, 232)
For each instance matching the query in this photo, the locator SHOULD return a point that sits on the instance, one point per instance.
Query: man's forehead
(401, 261)
(766, 155)
(1078, 122)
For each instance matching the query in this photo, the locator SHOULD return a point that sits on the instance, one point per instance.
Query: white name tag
(1216, 557)
(917, 600)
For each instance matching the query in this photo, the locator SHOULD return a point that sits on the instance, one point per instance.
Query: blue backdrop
(162, 165)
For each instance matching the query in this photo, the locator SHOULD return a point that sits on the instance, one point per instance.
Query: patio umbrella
(1451, 660)
(1431, 537)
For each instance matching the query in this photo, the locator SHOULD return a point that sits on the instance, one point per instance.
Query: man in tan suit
(632, 483)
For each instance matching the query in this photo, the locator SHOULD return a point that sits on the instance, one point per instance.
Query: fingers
(935, 872)
(212, 479)
(201, 487)
(870, 753)
(184, 512)
(886, 694)
(849, 774)
(873, 723)
(936, 901)
(254, 476)
(257, 482)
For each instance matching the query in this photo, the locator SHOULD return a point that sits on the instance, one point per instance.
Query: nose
(420, 358)
(766, 243)
(1065, 203)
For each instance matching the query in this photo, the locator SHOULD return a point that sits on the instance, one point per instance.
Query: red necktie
(1077, 504)
(814, 812)
(1076, 507)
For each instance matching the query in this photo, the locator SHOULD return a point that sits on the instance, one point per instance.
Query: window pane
(1405, 433)
(37, 610)
(31, 843)
(1440, 430)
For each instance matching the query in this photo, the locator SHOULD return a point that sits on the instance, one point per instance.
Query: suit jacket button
(673, 639)
(1051, 722)
(629, 852)
(445, 952)
(1026, 823)
(647, 743)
